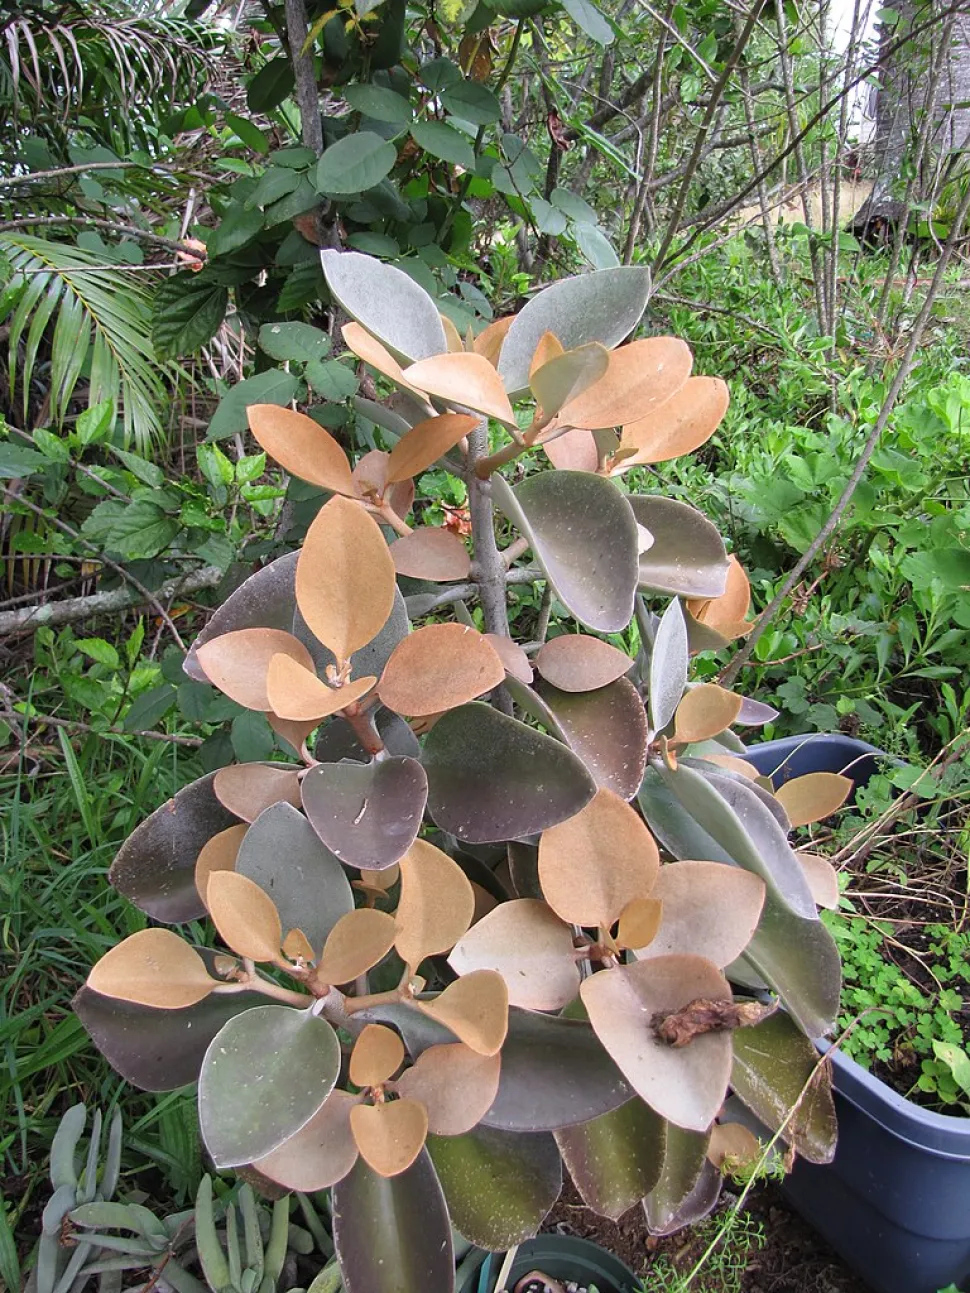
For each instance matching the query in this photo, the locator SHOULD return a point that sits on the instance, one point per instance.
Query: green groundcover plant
(463, 941)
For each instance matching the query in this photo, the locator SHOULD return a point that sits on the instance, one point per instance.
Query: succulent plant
(469, 940)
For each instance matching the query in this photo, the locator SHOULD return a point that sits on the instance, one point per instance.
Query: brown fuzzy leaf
(433, 553)
(578, 662)
(574, 450)
(246, 789)
(321, 1153)
(245, 916)
(823, 879)
(296, 946)
(298, 694)
(816, 795)
(679, 426)
(356, 943)
(370, 350)
(592, 865)
(548, 348)
(436, 904)
(640, 376)
(639, 922)
(514, 659)
(705, 711)
(710, 908)
(301, 446)
(530, 947)
(488, 343)
(733, 1148)
(345, 578)
(468, 380)
(370, 478)
(237, 663)
(475, 1008)
(422, 446)
(153, 968)
(455, 1084)
(438, 668)
(295, 734)
(725, 614)
(377, 1055)
(389, 1136)
(219, 854)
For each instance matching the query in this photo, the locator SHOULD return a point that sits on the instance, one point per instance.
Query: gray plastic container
(895, 1202)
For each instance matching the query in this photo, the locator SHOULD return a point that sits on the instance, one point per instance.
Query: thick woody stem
(488, 564)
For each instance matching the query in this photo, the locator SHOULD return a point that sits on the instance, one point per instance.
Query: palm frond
(76, 319)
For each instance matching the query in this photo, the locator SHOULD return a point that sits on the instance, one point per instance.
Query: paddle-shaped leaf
(367, 814)
(356, 943)
(373, 656)
(708, 908)
(470, 1168)
(155, 867)
(422, 446)
(297, 694)
(572, 450)
(816, 795)
(607, 728)
(264, 1076)
(564, 376)
(389, 1135)
(238, 662)
(152, 968)
(393, 1234)
(603, 306)
(685, 1084)
(218, 855)
(724, 616)
(440, 667)
(475, 1008)
(244, 915)
(823, 879)
(687, 556)
(247, 789)
(388, 303)
(705, 711)
(436, 904)
(680, 425)
(514, 659)
(431, 552)
(301, 446)
(577, 662)
(592, 865)
(344, 578)
(616, 1159)
(282, 853)
(468, 380)
(668, 666)
(688, 1185)
(378, 1053)
(530, 947)
(455, 1084)
(265, 600)
(321, 1153)
(584, 536)
(492, 778)
(370, 350)
(641, 376)
(489, 340)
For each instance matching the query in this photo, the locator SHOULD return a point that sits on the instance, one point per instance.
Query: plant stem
(131, 230)
(488, 565)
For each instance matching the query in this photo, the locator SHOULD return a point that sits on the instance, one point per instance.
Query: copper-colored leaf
(422, 446)
(297, 693)
(593, 864)
(321, 1153)
(514, 659)
(153, 968)
(431, 552)
(237, 663)
(436, 905)
(733, 1148)
(639, 922)
(640, 376)
(530, 947)
(356, 943)
(573, 450)
(439, 667)
(679, 426)
(475, 1008)
(705, 711)
(488, 343)
(455, 1084)
(245, 916)
(685, 1084)
(548, 347)
(246, 789)
(293, 733)
(297, 947)
(345, 578)
(467, 379)
(301, 446)
(370, 350)
(823, 879)
(377, 1055)
(733, 764)
(389, 1136)
(565, 377)
(578, 662)
(816, 795)
(370, 479)
(455, 345)
(725, 614)
(708, 907)
(219, 854)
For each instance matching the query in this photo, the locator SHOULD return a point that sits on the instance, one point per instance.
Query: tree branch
(131, 230)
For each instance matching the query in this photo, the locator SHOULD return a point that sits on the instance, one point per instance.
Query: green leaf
(147, 472)
(589, 19)
(595, 246)
(19, 460)
(668, 666)
(265, 1074)
(214, 465)
(472, 102)
(251, 135)
(186, 313)
(951, 566)
(331, 379)
(957, 1061)
(149, 708)
(51, 446)
(379, 103)
(272, 387)
(270, 86)
(141, 530)
(354, 164)
(100, 651)
(293, 341)
(387, 302)
(273, 184)
(236, 228)
(573, 207)
(548, 219)
(252, 737)
(95, 422)
(445, 143)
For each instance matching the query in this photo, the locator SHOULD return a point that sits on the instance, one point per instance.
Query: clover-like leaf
(708, 908)
(152, 968)
(432, 553)
(320, 1154)
(244, 915)
(687, 556)
(366, 814)
(530, 947)
(455, 1084)
(607, 728)
(684, 1084)
(816, 795)
(356, 943)
(640, 377)
(584, 536)
(387, 302)
(615, 1159)
(440, 667)
(377, 1055)
(680, 425)
(238, 662)
(733, 1147)
(705, 711)
(264, 1076)
(436, 905)
(371, 658)
(301, 446)
(468, 380)
(596, 862)
(297, 694)
(639, 922)
(578, 662)
(344, 578)
(492, 778)
(219, 854)
(248, 789)
(475, 1008)
(422, 446)
(389, 1135)
(668, 666)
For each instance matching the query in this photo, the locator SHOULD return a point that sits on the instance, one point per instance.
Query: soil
(792, 1258)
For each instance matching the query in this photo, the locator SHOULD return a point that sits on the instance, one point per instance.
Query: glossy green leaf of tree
(492, 778)
(472, 102)
(155, 867)
(366, 814)
(264, 1076)
(354, 164)
(444, 142)
(584, 535)
(186, 313)
(498, 1186)
(283, 854)
(388, 303)
(604, 306)
(379, 103)
(773, 1062)
(393, 1235)
(607, 728)
(687, 556)
(616, 1159)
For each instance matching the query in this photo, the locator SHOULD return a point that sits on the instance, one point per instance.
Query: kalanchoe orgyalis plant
(610, 881)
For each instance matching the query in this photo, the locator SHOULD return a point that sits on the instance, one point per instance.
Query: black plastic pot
(562, 1256)
(895, 1203)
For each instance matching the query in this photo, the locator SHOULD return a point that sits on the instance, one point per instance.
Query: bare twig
(70, 725)
(130, 230)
